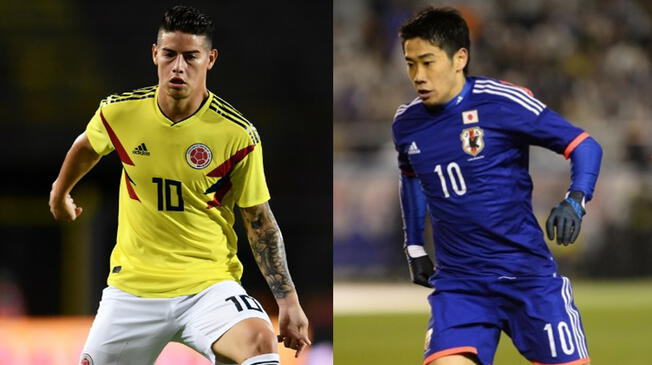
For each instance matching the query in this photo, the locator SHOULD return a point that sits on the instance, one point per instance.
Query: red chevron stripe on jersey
(130, 188)
(227, 166)
(124, 157)
(223, 170)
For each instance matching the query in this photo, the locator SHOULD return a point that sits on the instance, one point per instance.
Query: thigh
(205, 317)
(543, 322)
(127, 330)
(463, 321)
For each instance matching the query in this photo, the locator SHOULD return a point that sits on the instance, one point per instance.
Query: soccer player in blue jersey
(463, 149)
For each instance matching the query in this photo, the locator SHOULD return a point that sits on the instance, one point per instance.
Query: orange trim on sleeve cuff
(585, 360)
(451, 351)
(574, 143)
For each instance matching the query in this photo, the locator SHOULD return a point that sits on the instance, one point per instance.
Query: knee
(249, 338)
(262, 342)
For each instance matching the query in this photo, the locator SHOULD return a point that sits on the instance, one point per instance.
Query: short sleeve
(547, 129)
(249, 179)
(98, 136)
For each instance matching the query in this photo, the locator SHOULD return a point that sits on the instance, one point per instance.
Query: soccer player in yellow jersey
(188, 158)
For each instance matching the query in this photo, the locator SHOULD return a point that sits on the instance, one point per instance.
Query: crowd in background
(589, 60)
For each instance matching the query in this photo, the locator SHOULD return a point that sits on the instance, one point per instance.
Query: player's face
(436, 77)
(183, 61)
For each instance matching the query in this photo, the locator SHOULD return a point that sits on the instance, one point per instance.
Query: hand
(293, 326)
(64, 209)
(566, 219)
(421, 267)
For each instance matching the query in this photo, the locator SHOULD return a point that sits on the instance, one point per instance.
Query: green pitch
(617, 320)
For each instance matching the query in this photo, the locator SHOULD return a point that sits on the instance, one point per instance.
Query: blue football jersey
(471, 157)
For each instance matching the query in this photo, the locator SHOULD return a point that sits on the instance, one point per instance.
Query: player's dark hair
(442, 27)
(188, 20)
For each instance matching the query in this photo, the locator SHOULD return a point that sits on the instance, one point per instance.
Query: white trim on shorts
(574, 319)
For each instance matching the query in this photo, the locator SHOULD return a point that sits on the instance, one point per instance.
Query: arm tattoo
(268, 248)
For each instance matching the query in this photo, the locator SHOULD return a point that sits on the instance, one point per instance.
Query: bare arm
(79, 160)
(269, 252)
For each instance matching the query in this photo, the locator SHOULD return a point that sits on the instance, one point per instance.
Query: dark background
(59, 59)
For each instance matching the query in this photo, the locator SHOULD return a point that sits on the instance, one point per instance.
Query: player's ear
(154, 52)
(212, 57)
(460, 59)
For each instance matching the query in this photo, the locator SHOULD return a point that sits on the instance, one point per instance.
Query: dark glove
(421, 268)
(566, 219)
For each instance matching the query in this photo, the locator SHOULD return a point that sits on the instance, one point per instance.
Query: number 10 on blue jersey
(456, 179)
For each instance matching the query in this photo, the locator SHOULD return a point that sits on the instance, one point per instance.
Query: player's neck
(455, 97)
(460, 81)
(179, 109)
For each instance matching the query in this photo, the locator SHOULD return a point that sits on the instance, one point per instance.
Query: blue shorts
(538, 313)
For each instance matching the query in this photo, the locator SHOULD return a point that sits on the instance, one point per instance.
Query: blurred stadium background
(589, 60)
(58, 60)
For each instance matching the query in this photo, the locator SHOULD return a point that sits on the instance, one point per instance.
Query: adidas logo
(413, 149)
(141, 150)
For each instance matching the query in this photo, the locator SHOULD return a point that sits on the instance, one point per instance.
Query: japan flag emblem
(472, 140)
(470, 116)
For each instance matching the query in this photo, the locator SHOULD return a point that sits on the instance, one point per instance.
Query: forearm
(413, 209)
(585, 167)
(269, 251)
(79, 160)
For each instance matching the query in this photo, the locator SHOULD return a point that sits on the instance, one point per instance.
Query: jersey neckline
(168, 122)
(455, 101)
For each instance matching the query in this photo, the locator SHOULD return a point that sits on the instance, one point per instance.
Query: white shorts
(133, 330)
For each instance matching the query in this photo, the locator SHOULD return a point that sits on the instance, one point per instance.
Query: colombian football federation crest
(199, 156)
(472, 140)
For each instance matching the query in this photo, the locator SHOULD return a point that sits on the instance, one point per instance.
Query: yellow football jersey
(180, 182)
